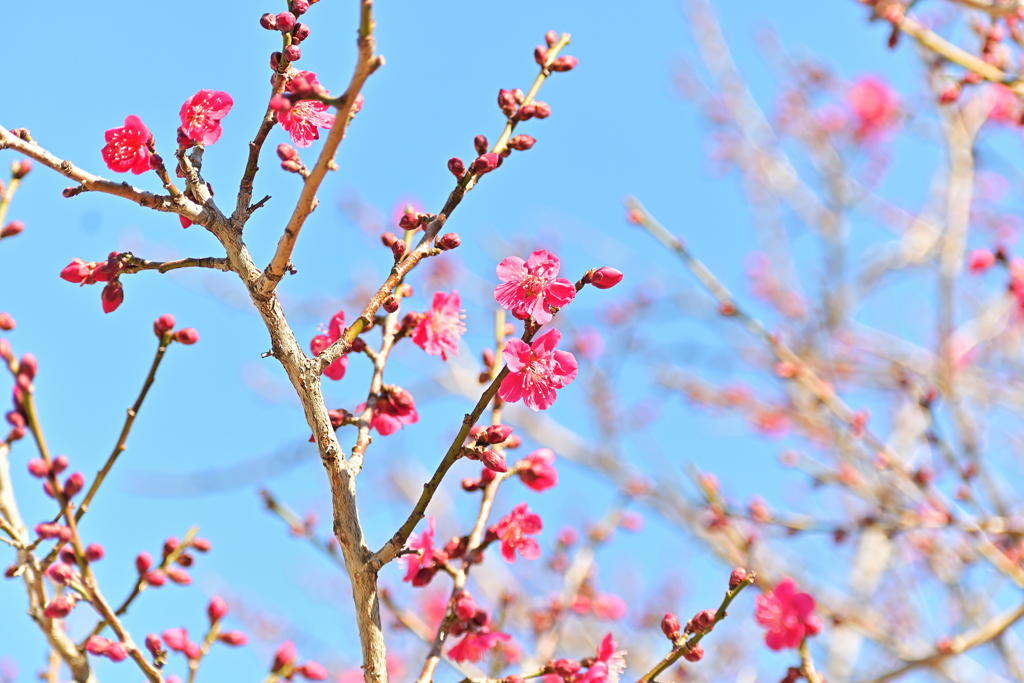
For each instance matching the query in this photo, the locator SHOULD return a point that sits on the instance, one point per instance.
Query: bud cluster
(82, 273)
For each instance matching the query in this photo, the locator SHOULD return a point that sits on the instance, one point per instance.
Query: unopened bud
(59, 607)
(541, 110)
(565, 63)
(37, 468)
(551, 38)
(201, 544)
(300, 7)
(486, 163)
(493, 460)
(391, 304)
(513, 441)
(285, 21)
(60, 463)
(506, 102)
(398, 249)
(409, 220)
(275, 64)
(20, 169)
(670, 626)
(540, 54)
(456, 167)
(738, 576)
(73, 484)
(153, 644)
(292, 53)
(156, 578)
(143, 561)
(521, 142)
(112, 296)
(388, 239)
(179, 576)
(286, 152)
(696, 654)
(950, 94)
(60, 573)
(187, 336)
(300, 33)
(449, 241)
(233, 638)
(565, 667)
(480, 144)
(94, 552)
(216, 609)
(269, 22)
(12, 229)
(163, 324)
(464, 606)
(496, 434)
(703, 621)
(605, 278)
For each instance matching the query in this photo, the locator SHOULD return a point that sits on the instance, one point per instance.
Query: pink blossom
(127, 147)
(335, 370)
(512, 531)
(980, 260)
(302, 120)
(425, 544)
(394, 407)
(312, 671)
(1005, 105)
(536, 370)
(608, 606)
(874, 106)
(530, 287)
(788, 615)
(440, 328)
(201, 115)
(609, 665)
(538, 471)
(475, 645)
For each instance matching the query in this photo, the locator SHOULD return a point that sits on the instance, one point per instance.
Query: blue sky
(220, 422)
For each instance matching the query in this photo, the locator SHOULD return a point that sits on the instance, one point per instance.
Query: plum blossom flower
(980, 260)
(512, 533)
(536, 370)
(609, 665)
(302, 120)
(127, 147)
(788, 615)
(394, 407)
(531, 286)
(1004, 103)
(475, 645)
(440, 328)
(201, 115)
(415, 563)
(609, 606)
(335, 370)
(874, 106)
(538, 471)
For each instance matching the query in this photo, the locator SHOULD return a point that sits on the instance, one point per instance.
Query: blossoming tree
(932, 502)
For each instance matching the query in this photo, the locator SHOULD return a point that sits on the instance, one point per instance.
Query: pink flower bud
(15, 419)
(156, 578)
(12, 229)
(269, 22)
(703, 621)
(605, 278)
(950, 93)
(980, 260)
(97, 645)
(5, 350)
(76, 271)
(216, 609)
(449, 241)
(37, 468)
(48, 529)
(410, 220)
(143, 561)
(179, 576)
(153, 644)
(192, 650)
(496, 433)
(551, 38)
(94, 552)
(112, 296)
(696, 654)
(201, 544)
(565, 63)
(117, 652)
(73, 484)
(21, 169)
(285, 655)
(521, 142)
(170, 545)
(312, 671)
(391, 304)
(59, 607)
(60, 573)
(285, 21)
(300, 7)
(526, 113)
(388, 239)
(292, 53)
(486, 163)
(48, 489)
(398, 249)
(60, 463)
(670, 626)
(506, 102)
(286, 152)
(456, 167)
(233, 638)
(738, 576)
(513, 441)
(565, 667)
(185, 560)
(280, 103)
(480, 144)
(540, 54)
(67, 555)
(28, 366)
(163, 324)
(464, 607)
(175, 638)
(493, 460)
(541, 110)
(187, 336)
(300, 33)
